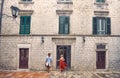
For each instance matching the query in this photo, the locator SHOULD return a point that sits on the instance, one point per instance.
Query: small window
(101, 46)
(26, 0)
(64, 0)
(100, 0)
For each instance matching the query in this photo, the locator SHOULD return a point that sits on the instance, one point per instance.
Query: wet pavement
(58, 74)
(7, 74)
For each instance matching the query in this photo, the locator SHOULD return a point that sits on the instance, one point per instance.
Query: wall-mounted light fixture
(42, 39)
(83, 39)
(14, 11)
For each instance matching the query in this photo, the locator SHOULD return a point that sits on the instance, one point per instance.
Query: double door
(65, 50)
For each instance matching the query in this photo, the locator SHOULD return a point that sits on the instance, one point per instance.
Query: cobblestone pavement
(84, 74)
(108, 75)
(67, 74)
(58, 74)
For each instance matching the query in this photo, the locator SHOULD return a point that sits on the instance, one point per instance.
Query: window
(100, 0)
(63, 24)
(26, 0)
(101, 25)
(25, 24)
(64, 0)
(101, 46)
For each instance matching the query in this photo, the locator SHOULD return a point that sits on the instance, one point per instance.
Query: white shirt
(48, 61)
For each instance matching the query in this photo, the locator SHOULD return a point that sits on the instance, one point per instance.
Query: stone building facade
(86, 32)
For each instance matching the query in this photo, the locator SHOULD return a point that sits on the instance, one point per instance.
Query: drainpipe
(1, 11)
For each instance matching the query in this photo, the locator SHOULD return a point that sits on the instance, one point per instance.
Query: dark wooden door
(101, 57)
(66, 51)
(23, 58)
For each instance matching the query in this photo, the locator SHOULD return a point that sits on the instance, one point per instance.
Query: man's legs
(48, 69)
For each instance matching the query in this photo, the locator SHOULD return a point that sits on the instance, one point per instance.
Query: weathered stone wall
(44, 17)
(9, 51)
(83, 55)
(45, 21)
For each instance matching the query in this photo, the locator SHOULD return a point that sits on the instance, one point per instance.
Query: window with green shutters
(64, 24)
(26, 0)
(64, 0)
(25, 24)
(101, 26)
(100, 0)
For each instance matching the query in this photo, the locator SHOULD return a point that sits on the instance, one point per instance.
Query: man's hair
(49, 54)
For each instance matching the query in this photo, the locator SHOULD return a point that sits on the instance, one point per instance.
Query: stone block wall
(83, 55)
(45, 18)
(45, 22)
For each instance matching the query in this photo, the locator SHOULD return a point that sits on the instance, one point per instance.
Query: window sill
(102, 35)
(100, 3)
(26, 2)
(64, 2)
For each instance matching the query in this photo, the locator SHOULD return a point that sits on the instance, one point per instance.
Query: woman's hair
(61, 55)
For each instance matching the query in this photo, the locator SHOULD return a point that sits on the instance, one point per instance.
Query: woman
(62, 64)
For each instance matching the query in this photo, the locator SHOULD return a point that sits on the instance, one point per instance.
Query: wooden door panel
(23, 58)
(101, 57)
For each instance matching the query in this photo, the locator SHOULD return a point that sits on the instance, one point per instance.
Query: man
(48, 62)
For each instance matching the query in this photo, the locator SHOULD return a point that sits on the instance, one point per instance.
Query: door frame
(107, 55)
(17, 58)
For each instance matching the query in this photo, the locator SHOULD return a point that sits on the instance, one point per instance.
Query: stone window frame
(101, 13)
(64, 2)
(23, 45)
(26, 2)
(64, 13)
(25, 12)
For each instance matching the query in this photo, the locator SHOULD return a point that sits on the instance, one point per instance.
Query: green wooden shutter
(108, 26)
(61, 24)
(25, 24)
(22, 25)
(66, 27)
(100, 0)
(103, 0)
(97, 0)
(27, 27)
(94, 25)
